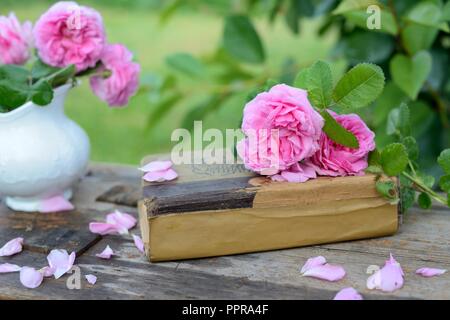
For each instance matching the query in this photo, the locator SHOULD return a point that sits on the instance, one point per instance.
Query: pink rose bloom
(282, 128)
(70, 34)
(15, 40)
(123, 82)
(333, 159)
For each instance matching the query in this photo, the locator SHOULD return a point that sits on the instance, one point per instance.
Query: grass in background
(119, 135)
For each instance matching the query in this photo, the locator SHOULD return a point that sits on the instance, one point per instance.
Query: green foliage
(394, 159)
(359, 87)
(241, 40)
(424, 201)
(338, 133)
(444, 160)
(388, 190)
(186, 64)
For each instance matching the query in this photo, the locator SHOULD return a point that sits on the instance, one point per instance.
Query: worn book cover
(213, 210)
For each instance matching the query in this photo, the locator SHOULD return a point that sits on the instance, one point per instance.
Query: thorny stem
(424, 188)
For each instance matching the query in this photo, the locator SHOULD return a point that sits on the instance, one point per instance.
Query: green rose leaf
(338, 133)
(12, 94)
(443, 160)
(409, 74)
(360, 18)
(444, 183)
(41, 93)
(388, 190)
(374, 170)
(352, 5)
(407, 198)
(424, 201)
(394, 159)
(411, 146)
(446, 12)
(427, 14)
(13, 73)
(399, 121)
(359, 86)
(241, 40)
(427, 180)
(374, 158)
(318, 81)
(187, 64)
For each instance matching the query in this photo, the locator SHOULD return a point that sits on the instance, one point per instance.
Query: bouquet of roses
(293, 134)
(70, 42)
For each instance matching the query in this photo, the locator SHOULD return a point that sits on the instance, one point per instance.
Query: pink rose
(298, 172)
(123, 82)
(70, 34)
(282, 129)
(15, 40)
(333, 159)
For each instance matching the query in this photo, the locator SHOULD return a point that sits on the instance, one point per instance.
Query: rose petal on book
(8, 267)
(430, 272)
(47, 271)
(313, 262)
(327, 272)
(60, 261)
(106, 254)
(91, 278)
(160, 176)
(56, 204)
(348, 294)
(155, 166)
(387, 279)
(138, 243)
(30, 277)
(121, 220)
(11, 247)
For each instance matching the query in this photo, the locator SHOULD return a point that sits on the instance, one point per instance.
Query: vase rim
(28, 105)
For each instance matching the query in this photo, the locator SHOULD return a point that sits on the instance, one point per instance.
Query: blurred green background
(122, 135)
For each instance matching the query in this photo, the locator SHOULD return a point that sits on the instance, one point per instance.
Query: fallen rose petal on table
(326, 271)
(313, 262)
(56, 204)
(8, 267)
(387, 279)
(160, 176)
(30, 277)
(122, 221)
(348, 294)
(60, 261)
(430, 272)
(11, 247)
(47, 271)
(91, 278)
(106, 254)
(138, 243)
(103, 228)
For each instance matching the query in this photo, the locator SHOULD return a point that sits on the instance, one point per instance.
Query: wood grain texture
(421, 241)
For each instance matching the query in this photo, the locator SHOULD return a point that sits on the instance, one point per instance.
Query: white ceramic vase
(42, 153)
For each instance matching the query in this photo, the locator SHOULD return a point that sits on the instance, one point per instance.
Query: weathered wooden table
(423, 240)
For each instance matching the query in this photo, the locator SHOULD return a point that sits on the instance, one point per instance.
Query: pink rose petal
(387, 279)
(31, 278)
(91, 278)
(106, 254)
(138, 243)
(60, 261)
(11, 247)
(348, 294)
(155, 166)
(160, 176)
(56, 204)
(313, 262)
(102, 228)
(122, 221)
(8, 267)
(430, 272)
(47, 271)
(327, 272)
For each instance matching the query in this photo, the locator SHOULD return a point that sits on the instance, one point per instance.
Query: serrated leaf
(444, 183)
(387, 189)
(318, 81)
(444, 160)
(338, 133)
(409, 74)
(187, 64)
(374, 158)
(424, 201)
(241, 40)
(394, 159)
(411, 146)
(359, 86)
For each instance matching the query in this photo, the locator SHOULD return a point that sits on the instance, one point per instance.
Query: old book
(213, 210)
